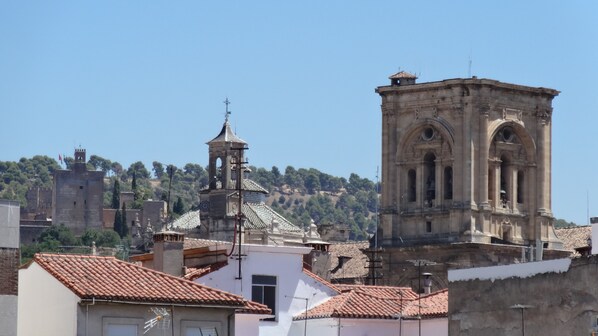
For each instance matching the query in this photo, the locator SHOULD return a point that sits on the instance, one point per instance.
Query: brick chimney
(168, 252)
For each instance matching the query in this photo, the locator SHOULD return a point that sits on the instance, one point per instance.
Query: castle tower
(220, 202)
(77, 196)
(465, 161)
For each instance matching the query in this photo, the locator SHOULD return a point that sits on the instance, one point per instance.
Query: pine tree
(134, 186)
(118, 222)
(124, 230)
(116, 195)
(179, 206)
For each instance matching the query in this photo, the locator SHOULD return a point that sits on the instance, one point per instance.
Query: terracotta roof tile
(107, 278)
(353, 268)
(432, 305)
(318, 278)
(378, 302)
(574, 237)
(193, 273)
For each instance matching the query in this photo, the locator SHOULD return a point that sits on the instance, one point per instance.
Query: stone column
(483, 162)
(543, 163)
(420, 185)
(513, 182)
(438, 170)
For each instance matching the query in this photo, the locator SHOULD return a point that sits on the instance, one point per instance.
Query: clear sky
(146, 80)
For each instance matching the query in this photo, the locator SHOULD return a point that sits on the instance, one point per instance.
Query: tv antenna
(161, 321)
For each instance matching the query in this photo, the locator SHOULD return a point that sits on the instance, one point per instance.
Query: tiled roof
(260, 216)
(574, 237)
(107, 278)
(318, 278)
(381, 291)
(401, 75)
(354, 268)
(191, 243)
(187, 221)
(227, 135)
(251, 185)
(432, 305)
(378, 302)
(193, 273)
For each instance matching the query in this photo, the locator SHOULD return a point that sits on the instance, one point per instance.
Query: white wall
(46, 307)
(286, 263)
(247, 325)
(369, 327)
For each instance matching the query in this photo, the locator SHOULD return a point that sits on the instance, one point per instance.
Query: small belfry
(466, 161)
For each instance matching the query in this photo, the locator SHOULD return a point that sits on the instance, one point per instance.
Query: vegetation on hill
(301, 195)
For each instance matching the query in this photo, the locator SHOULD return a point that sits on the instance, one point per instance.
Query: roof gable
(107, 278)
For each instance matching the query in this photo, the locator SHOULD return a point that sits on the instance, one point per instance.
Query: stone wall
(557, 299)
(400, 266)
(78, 197)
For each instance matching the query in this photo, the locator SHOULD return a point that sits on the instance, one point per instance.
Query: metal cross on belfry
(226, 102)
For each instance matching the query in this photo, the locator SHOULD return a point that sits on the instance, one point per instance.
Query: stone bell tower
(219, 203)
(466, 172)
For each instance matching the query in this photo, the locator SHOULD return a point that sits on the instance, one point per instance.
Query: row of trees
(58, 238)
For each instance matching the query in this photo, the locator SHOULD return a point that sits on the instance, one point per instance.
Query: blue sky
(145, 80)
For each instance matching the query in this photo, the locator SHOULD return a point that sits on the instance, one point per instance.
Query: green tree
(138, 168)
(118, 222)
(125, 226)
(179, 206)
(312, 183)
(158, 169)
(115, 195)
(99, 163)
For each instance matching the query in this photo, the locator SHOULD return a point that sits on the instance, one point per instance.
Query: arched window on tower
(411, 178)
(430, 178)
(448, 182)
(218, 176)
(520, 187)
(504, 181)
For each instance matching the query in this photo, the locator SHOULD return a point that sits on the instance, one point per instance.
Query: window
(411, 185)
(122, 326)
(520, 187)
(428, 227)
(263, 290)
(201, 328)
(448, 182)
(201, 331)
(121, 330)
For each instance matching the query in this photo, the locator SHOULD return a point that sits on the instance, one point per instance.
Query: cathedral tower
(466, 161)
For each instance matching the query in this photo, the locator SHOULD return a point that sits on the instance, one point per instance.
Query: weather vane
(226, 102)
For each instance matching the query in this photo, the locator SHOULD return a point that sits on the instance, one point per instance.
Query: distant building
(466, 176)
(221, 200)
(78, 196)
(9, 265)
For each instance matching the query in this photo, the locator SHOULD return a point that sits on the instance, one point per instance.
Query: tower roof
(226, 135)
(402, 75)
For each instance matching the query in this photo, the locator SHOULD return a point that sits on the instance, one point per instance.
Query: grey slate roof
(250, 185)
(187, 221)
(227, 135)
(260, 216)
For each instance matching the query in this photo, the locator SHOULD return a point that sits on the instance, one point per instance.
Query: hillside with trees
(301, 195)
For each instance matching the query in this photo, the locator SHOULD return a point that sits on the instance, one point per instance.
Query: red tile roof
(432, 305)
(193, 273)
(107, 278)
(318, 278)
(382, 291)
(379, 302)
